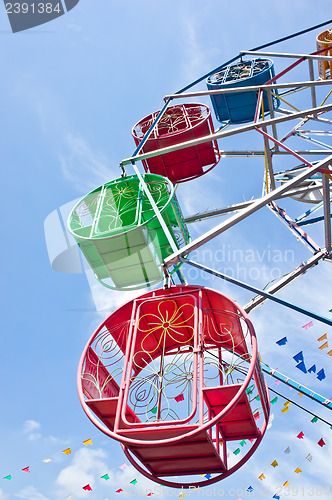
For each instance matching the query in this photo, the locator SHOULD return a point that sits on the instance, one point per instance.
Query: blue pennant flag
(282, 341)
(312, 369)
(301, 366)
(321, 374)
(298, 357)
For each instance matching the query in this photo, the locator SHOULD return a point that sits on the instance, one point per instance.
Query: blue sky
(71, 90)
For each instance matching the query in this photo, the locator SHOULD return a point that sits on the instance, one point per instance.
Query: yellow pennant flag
(323, 337)
(329, 353)
(67, 451)
(274, 463)
(87, 441)
(287, 403)
(323, 345)
(285, 409)
(286, 483)
(297, 470)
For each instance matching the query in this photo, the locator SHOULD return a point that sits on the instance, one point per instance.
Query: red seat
(239, 423)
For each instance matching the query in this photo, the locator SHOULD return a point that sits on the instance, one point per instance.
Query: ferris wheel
(184, 343)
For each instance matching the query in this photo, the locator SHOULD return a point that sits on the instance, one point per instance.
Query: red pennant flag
(256, 415)
(119, 490)
(26, 469)
(179, 398)
(301, 435)
(87, 488)
(321, 442)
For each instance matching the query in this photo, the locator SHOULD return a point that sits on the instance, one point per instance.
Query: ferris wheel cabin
(179, 124)
(240, 107)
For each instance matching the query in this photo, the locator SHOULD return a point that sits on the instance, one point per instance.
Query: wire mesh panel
(239, 107)
(179, 123)
(120, 235)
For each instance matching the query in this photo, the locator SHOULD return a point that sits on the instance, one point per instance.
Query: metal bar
(269, 162)
(248, 153)
(327, 211)
(251, 88)
(227, 133)
(235, 208)
(267, 295)
(285, 281)
(156, 209)
(311, 221)
(312, 88)
(308, 212)
(297, 231)
(274, 128)
(286, 54)
(295, 385)
(209, 235)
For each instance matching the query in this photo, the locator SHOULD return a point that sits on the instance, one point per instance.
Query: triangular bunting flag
(301, 366)
(26, 469)
(312, 369)
(154, 410)
(87, 487)
(286, 483)
(274, 400)
(298, 357)
(67, 451)
(237, 451)
(323, 346)
(285, 409)
(321, 374)
(8, 477)
(242, 443)
(321, 442)
(87, 441)
(309, 457)
(274, 463)
(323, 337)
(277, 497)
(179, 398)
(250, 489)
(314, 420)
(208, 476)
(256, 415)
(134, 481)
(308, 325)
(119, 490)
(282, 341)
(250, 389)
(261, 477)
(329, 353)
(105, 476)
(300, 435)
(287, 450)
(123, 466)
(297, 470)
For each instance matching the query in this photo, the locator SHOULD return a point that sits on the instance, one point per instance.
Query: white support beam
(327, 211)
(227, 133)
(243, 214)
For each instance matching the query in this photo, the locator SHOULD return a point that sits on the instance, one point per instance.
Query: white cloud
(29, 427)
(82, 166)
(86, 464)
(30, 493)
(3, 495)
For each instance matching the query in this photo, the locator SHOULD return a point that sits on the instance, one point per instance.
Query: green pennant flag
(8, 477)
(274, 400)
(105, 476)
(314, 420)
(242, 443)
(250, 389)
(257, 398)
(237, 451)
(134, 481)
(330, 310)
(154, 410)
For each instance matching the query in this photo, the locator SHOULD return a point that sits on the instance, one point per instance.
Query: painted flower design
(170, 324)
